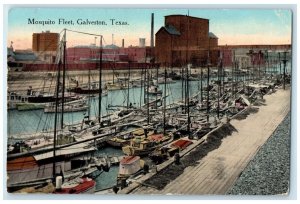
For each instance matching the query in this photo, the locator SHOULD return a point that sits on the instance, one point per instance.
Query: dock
(218, 170)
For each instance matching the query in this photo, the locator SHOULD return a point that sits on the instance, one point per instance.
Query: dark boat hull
(79, 90)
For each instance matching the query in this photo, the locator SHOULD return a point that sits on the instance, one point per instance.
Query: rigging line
(38, 58)
(40, 118)
(40, 54)
(75, 31)
(47, 122)
(93, 103)
(22, 125)
(104, 41)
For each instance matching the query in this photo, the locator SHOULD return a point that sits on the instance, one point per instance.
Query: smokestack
(152, 30)
(122, 43)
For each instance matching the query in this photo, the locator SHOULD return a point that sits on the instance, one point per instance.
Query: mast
(148, 104)
(284, 66)
(141, 87)
(188, 101)
(100, 81)
(266, 58)
(55, 119)
(64, 81)
(201, 92)
(114, 67)
(89, 88)
(258, 65)
(165, 99)
(223, 76)
(187, 79)
(279, 64)
(144, 83)
(128, 88)
(232, 77)
(236, 77)
(207, 103)
(156, 85)
(219, 83)
(182, 86)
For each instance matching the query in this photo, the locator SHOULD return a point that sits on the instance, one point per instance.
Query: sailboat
(72, 106)
(146, 143)
(34, 168)
(91, 88)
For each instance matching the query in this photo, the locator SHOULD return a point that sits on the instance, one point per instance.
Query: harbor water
(32, 121)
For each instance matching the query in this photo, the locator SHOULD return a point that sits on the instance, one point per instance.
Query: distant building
(142, 42)
(17, 58)
(111, 53)
(185, 39)
(137, 54)
(45, 45)
(252, 55)
(83, 54)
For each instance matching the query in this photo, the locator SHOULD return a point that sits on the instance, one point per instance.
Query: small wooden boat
(93, 88)
(115, 86)
(77, 186)
(154, 90)
(73, 106)
(181, 144)
(118, 142)
(143, 146)
(129, 165)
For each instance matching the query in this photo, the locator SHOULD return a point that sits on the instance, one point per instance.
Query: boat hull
(86, 186)
(29, 106)
(131, 151)
(118, 144)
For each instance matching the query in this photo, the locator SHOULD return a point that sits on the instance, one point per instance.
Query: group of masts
(185, 85)
(62, 63)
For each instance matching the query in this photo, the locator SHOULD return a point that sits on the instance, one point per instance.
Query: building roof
(86, 46)
(10, 52)
(212, 35)
(187, 16)
(170, 29)
(24, 56)
(112, 46)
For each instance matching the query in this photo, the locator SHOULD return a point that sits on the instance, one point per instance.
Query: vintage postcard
(148, 101)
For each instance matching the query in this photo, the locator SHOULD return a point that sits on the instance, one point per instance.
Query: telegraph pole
(284, 66)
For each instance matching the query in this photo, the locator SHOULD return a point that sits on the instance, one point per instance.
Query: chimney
(122, 43)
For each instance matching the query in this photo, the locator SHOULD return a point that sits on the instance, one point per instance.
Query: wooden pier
(217, 172)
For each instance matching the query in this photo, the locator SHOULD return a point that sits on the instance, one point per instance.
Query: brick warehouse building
(82, 54)
(45, 45)
(185, 39)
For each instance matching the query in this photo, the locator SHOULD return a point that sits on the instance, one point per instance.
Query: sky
(232, 26)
